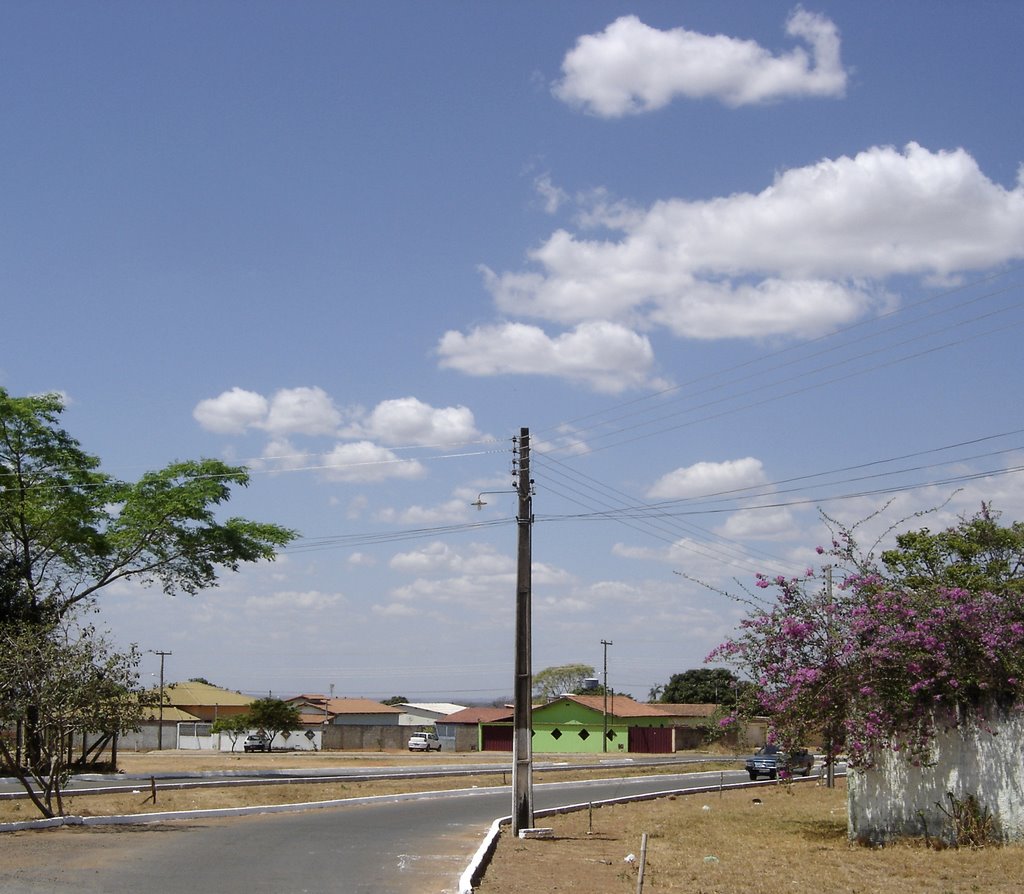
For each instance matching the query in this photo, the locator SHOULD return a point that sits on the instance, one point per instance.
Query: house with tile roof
(573, 724)
(352, 724)
(203, 700)
(316, 709)
(463, 730)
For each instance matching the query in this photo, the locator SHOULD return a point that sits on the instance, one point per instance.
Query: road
(84, 784)
(377, 848)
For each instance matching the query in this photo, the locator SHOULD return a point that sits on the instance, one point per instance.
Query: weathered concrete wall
(895, 799)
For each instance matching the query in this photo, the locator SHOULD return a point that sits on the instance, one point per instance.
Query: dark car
(770, 761)
(256, 743)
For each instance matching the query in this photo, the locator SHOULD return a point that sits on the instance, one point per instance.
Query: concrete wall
(365, 738)
(895, 799)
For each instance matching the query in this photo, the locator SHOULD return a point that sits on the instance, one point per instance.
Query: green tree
(273, 716)
(232, 727)
(71, 681)
(396, 700)
(554, 681)
(702, 686)
(67, 530)
(978, 554)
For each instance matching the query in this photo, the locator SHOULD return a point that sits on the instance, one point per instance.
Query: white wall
(296, 741)
(885, 801)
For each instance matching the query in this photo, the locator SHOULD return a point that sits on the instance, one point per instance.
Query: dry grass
(793, 841)
(215, 796)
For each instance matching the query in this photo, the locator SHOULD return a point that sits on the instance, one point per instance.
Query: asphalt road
(419, 845)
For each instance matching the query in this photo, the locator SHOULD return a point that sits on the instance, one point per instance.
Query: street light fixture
(481, 502)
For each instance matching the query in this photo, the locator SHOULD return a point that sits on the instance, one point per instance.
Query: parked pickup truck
(770, 761)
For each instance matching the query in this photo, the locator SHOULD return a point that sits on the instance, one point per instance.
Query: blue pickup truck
(770, 761)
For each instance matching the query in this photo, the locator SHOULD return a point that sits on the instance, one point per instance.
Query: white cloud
(760, 524)
(396, 610)
(308, 411)
(705, 478)
(409, 421)
(439, 558)
(451, 510)
(231, 412)
(367, 462)
(631, 68)
(709, 561)
(476, 577)
(289, 601)
(810, 251)
(553, 196)
(606, 356)
(803, 308)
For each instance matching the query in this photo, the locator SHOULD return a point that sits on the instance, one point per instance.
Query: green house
(575, 724)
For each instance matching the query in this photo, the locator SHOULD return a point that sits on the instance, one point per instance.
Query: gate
(650, 740)
(497, 738)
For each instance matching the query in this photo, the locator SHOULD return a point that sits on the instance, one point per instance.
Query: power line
(573, 424)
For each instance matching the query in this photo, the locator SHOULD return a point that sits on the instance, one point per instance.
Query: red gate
(650, 740)
(497, 738)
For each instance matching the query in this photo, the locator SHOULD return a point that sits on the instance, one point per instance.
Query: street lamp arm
(481, 502)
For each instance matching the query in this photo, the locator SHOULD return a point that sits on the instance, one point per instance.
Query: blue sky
(731, 264)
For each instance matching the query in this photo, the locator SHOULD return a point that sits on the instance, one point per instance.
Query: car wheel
(772, 774)
(753, 775)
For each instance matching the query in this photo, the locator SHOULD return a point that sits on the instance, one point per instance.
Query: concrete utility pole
(830, 770)
(160, 728)
(604, 738)
(522, 744)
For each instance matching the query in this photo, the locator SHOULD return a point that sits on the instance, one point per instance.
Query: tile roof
(477, 715)
(688, 710)
(359, 706)
(342, 705)
(618, 705)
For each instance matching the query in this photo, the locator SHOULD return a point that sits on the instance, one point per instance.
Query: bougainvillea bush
(871, 654)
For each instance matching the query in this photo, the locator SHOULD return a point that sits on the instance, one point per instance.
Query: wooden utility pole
(522, 744)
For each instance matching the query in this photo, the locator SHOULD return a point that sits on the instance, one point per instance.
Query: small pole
(643, 863)
(160, 727)
(604, 739)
